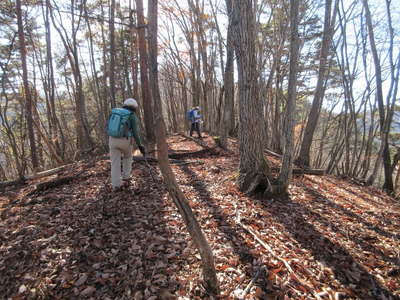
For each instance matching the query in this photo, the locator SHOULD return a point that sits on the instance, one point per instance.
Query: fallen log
(40, 187)
(212, 150)
(171, 161)
(188, 154)
(5, 184)
(300, 171)
(35, 176)
(177, 154)
(51, 171)
(272, 153)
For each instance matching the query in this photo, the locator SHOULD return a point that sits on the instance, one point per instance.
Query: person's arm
(197, 115)
(135, 132)
(135, 129)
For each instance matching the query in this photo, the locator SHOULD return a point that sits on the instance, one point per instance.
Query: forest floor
(331, 239)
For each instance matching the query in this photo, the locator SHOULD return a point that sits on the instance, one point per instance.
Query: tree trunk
(20, 161)
(287, 161)
(84, 139)
(209, 274)
(228, 119)
(105, 96)
(112, 54)
(134, 54)
(388, 185)
(102, 109)
(304, 156)
(253, 168)
(51, 82)
(27, 92)
(146, 94)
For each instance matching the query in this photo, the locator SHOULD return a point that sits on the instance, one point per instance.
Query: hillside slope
(331, 239)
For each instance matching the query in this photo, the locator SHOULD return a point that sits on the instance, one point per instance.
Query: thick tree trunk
(253, 168)
(146, 94)
(209, 274)
(27, 91)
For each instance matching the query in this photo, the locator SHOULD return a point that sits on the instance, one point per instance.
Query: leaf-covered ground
(331, 239)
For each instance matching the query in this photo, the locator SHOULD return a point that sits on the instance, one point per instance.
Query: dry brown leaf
(88, 291)
(82, 279)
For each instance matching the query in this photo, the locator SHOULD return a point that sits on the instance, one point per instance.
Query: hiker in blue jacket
(122, 129)
(195, 119)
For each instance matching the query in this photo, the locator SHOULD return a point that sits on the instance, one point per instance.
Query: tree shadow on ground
(231, 233)
(346, 212)
(360, 192)
(350, 273)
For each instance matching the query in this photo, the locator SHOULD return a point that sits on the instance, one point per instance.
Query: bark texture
(253, 168)
(146, 94)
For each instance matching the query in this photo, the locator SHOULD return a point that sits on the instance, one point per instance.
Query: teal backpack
(190, 115)
(119, 123)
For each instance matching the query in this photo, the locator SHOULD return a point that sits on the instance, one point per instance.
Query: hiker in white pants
(122, 130)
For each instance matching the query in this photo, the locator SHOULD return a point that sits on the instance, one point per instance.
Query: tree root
(260, 184)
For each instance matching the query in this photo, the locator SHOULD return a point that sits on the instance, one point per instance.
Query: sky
(377, 10)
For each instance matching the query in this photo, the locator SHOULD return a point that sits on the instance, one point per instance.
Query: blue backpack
(119, 123)
(190, 115)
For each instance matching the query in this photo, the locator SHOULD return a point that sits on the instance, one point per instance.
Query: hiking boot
(117, 189)
(126, 182)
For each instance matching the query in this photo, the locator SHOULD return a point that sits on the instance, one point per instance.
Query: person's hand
(142, 150)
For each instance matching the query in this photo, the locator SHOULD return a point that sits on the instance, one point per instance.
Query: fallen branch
(35, 176)
(172, 161)
(51, 171)
(178, 154)
(188, 154)
(270, 250)
(273, 153)
(54, 183)
(213, 150)
(300, 171)
(296, 170)
(155, 160)
(253, 280)
(12, 182)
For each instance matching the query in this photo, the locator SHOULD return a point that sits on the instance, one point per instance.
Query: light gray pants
(120, 147)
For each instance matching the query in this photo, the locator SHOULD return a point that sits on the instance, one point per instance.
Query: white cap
(131, 102)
